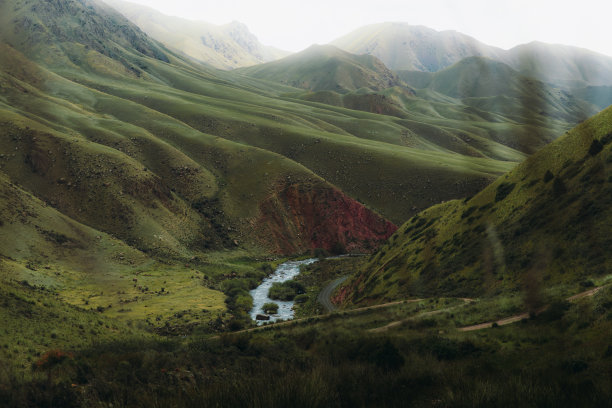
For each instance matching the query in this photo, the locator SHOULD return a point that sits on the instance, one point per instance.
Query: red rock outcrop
(303, 217)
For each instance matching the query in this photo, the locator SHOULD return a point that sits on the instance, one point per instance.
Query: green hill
(542, 224)
(497, 88)
(118, 193)
(324, 67)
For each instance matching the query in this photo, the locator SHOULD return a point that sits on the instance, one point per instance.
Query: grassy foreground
(560, 358)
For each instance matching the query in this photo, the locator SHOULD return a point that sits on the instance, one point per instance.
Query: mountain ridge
(402, 46)
(226, 46)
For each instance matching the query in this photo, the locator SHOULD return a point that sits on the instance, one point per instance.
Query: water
(285, 271)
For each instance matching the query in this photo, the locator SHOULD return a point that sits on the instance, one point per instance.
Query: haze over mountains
(221, 46)
(404, 47)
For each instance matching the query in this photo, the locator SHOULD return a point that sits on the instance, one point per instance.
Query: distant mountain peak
(227, 46)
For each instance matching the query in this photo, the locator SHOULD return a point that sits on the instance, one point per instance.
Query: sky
(294, 25)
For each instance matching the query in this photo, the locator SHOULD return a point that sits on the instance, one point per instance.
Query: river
(284, 272)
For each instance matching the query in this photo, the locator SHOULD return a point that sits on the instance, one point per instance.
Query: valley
(154, 171)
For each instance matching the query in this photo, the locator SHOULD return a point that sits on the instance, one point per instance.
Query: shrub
(548, 176)
(270, 308)
(559, 187)
(303, 298)
(595, 147)
(503, 190)
(287, 290)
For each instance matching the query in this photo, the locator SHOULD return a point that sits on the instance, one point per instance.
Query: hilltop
(325, 67)
(417, 48)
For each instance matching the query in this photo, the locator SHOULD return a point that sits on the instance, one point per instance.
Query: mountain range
(401, 46)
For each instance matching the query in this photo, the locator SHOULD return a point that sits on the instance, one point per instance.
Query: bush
(270, 308)
(503, 190)
(548, 176)
(287, 290)
(595, 147)
(303, 298)
(559, 187)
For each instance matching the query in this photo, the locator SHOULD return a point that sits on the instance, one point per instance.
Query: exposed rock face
(300, 217)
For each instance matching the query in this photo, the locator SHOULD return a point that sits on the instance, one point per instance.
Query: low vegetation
(286, 290)
(557, 359)
(270, 308)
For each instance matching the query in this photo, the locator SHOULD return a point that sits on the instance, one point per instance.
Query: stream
(284, 272)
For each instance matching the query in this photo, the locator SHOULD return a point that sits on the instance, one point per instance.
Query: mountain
(416, 48)
(401, 46)
(82, 146)
(542, 224)
(324, 67)
(495, 87)
(226, 46)
(476, 92)
(571, 67)
(121, 135)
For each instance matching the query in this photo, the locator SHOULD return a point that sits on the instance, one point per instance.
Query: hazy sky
(294, 25)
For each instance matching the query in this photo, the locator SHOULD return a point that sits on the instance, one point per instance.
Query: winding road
(324, 296)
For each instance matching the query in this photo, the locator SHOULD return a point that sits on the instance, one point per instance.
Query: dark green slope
(325, 67)
(546, 222)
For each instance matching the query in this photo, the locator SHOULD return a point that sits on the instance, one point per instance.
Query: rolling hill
(542, 224)
(325, 67)
(495, 87)
(477, 100)
(226, 46)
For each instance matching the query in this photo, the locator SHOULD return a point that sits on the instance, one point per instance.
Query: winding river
(284, 272)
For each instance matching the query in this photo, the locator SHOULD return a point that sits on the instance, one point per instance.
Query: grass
(523, 230)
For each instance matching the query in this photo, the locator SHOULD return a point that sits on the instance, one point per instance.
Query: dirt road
(324, 296)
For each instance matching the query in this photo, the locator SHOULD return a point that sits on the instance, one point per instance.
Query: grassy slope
(241, 109)
(325, 67)
(542, 224)
(477, 107)
(97, 187)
